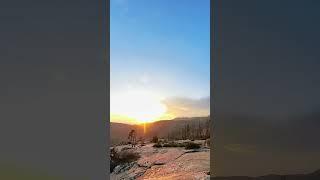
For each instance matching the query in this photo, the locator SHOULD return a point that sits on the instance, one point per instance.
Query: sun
(142, 106)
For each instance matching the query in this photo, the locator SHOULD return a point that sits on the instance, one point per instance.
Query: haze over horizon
(133, 122)
(160, 60)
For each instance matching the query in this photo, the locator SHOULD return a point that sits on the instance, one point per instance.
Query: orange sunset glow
(137, 107)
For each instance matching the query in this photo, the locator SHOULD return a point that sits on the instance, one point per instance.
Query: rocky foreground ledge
(165, 163)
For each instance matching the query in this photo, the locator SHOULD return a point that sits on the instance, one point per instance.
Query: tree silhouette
(132, 137)
(207, 132)
(187, 131)
(199, 130)
(193, 131)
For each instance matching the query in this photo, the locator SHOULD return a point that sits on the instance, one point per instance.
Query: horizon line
(181, 117)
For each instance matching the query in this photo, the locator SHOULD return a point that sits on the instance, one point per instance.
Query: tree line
(191, 130)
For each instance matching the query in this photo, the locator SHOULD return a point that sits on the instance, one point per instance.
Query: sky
(161, 48)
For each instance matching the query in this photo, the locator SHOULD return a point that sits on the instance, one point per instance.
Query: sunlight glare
(143, 106)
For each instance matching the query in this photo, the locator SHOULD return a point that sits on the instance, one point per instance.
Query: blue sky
(162, 46)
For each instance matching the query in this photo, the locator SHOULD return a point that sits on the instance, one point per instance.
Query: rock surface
(166, 163)
(193, 165)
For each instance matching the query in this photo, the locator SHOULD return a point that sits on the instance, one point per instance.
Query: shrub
(114, 156)
(171, 144)
(117, 158)
(123, 143)
(157, 145)
(128, 156)
(155, 139)
(192, 145)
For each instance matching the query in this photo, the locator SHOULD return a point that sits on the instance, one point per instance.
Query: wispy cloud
(187, 107)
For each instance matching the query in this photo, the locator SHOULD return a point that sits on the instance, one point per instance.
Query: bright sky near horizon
(160, 59)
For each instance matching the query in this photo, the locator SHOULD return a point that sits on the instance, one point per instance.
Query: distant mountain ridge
(119, 131)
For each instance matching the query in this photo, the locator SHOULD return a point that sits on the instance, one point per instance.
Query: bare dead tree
(192, 129)
(187, 131)
(207, 131)
(199, 130)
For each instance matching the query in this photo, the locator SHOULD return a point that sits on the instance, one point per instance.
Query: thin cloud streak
(187, 107)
